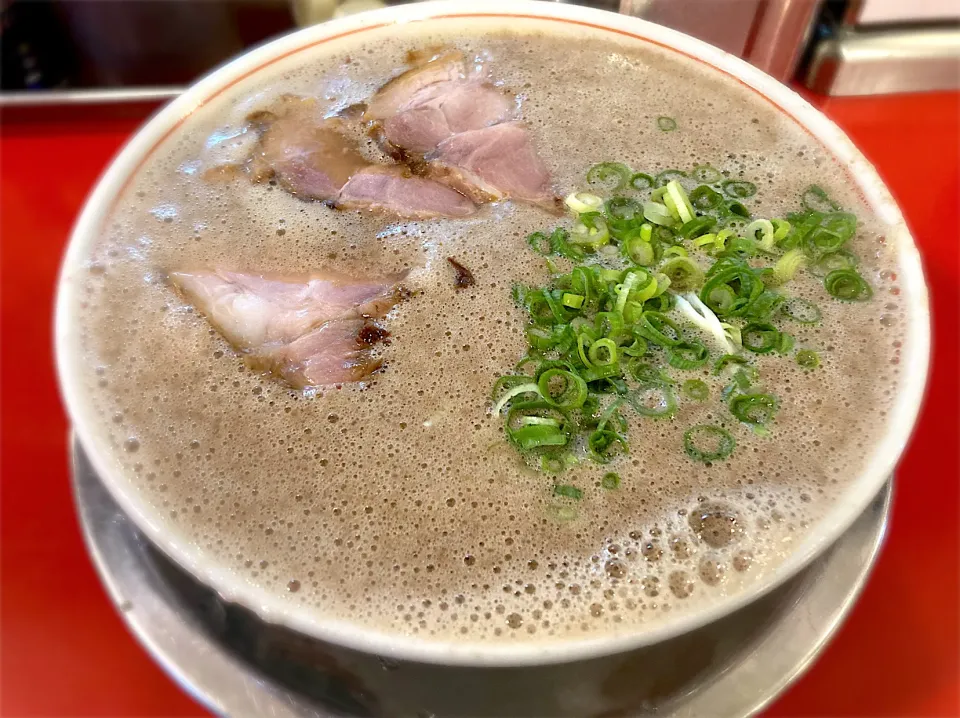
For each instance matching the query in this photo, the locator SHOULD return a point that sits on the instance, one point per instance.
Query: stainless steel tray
(236, 665)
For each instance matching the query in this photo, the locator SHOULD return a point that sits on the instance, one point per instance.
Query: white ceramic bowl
(272, 608)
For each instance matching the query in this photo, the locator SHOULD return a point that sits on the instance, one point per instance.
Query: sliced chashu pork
(460, 130)
(311, 331)
(314, 158)
(497, 162)
(427, 104)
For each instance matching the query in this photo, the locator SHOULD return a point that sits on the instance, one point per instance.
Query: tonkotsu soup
(629, 416)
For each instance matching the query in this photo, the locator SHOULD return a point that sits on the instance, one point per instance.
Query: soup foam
(397, 504)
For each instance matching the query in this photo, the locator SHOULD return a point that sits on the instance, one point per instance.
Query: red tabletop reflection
(65, 652)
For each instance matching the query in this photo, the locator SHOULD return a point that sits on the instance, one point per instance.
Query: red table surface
(65, 651)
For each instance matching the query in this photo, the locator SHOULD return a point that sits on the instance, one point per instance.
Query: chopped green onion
(622, 208)
(846, 284)
(787, 266)
(808, 359)
(832, 233)
(639, 251)
(706, 198)
(683, 273)
(624, 291)
(666, 124)
(609, 176)
(602, 445)
(590, 231)
(726, 359)
(540, 243)
(800, 310)
(659, 329)
(539, 421)
(597, 350)
(667, 176)
(760, 337)
(572, 390)
(658, 213)
(646, 375)
(706, 174)
(816, 200)
(674, 251)
(574, 301)
(687, 355)
(732, 333)
(708, 443)
(781, 228)
(700, 314)
(785, 343)
(706, 240)
(739, 189)
(537, 436)
(842, 259)
(730, 287)
(562, 247)
(641, 181)
(697, 227)
(581, 202)
(722, 236)
(765, 228)
(753, 409)
(655, 401)
(528, 388)
(570, 492)
(610, 481)
(637, 349)
(678, 194)
(738, 209)
(696, 389)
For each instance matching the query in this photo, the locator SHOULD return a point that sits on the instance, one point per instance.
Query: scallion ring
(683, 272)
(610, 481)
(540, 243)
(815, 199)
(706, 198)
(708, 443)
(696, 389)
(622, 208)
(666, 124)
(687, 355)
(655, 401)
(527, 388)
(667, 176)
(581, 202)
(843, 259)
(740, 189)
(808, 359)
(641, 181)
(696, 227)
(847, 285)
(603, 444)
(706, 174)
(800, 310)
(609, 176)
(562, 389)
(659, 329)
(753, 409)
(726, 360)
(760, 337)
(603, 352)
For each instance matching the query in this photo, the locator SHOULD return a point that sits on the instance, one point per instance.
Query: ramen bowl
(629, 651)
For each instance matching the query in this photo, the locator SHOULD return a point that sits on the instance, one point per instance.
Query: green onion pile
(662, 281)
